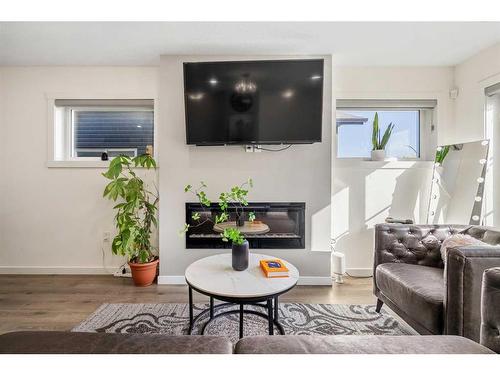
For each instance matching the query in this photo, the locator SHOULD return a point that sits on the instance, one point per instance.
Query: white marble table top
(215, 275)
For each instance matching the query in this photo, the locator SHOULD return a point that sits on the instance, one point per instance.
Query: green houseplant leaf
(136, 213)
(378, 142)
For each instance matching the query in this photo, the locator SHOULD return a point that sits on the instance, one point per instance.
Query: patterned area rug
(296, 319)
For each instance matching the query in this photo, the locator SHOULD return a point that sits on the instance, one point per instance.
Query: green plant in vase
(235, 199)
(441, 153)
(135, 215)
(379, 142)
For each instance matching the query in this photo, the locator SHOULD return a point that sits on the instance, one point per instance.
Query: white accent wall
(299, 174)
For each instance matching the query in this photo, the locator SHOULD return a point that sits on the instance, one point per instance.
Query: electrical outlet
(106, 236)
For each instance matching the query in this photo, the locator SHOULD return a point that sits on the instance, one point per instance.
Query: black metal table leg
(241, 321)
(190, 309)
(270, 316)
(276, 309)
(211, 307)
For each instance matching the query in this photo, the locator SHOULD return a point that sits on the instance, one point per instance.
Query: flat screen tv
(253, 102)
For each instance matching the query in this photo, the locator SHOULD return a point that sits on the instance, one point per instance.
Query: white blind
(387, 103)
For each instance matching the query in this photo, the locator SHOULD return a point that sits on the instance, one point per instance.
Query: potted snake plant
(135, 215)
(380, 142)
(236, 198)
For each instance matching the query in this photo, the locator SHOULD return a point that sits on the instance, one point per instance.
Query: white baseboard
(171, 280)
(303, 280)
(37, 270)
(360, 272)
(315, 280)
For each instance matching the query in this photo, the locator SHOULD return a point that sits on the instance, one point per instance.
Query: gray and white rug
(296, 319)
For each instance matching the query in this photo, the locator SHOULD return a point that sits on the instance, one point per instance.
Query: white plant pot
(378, 155)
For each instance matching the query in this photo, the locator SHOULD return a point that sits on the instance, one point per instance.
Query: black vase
(240, 256)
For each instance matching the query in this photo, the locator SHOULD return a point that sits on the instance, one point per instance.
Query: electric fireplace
(276, 225)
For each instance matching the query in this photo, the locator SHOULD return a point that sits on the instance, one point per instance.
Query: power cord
(110, 272)
(276, 150)
(358, 277)
(104, 261)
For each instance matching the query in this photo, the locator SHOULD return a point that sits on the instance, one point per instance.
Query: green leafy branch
(236, 197)
(441, 154)
(233, 235)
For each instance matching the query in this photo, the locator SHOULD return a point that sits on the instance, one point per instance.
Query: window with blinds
(94, 129)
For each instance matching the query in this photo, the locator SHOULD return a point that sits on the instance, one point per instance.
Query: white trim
(82, 164)
(77, 164)
(303, 280)
(71, 270)
(386, 164)
(359, 272)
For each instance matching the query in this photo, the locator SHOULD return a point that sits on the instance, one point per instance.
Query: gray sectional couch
(78, 342)
(410, 277)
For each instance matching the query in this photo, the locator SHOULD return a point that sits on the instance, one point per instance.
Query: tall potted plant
(378, 142)
(135, 215)
(236, 198)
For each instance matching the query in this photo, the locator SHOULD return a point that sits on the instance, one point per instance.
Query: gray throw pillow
(458, 240)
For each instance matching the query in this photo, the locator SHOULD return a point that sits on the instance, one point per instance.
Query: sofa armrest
(463, 279)
(490, 310)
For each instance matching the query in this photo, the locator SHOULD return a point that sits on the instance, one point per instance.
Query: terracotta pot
(144, 274)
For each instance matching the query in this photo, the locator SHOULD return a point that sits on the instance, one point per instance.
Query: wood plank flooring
(57, 302)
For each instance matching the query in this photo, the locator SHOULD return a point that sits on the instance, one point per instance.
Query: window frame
(59, 141)
(426, 128)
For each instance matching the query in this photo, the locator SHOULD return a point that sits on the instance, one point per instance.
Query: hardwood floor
(56, 302)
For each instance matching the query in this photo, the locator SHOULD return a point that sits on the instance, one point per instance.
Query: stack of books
(273, 268)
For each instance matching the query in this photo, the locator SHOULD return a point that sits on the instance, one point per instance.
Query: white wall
(52, 219)
(365, 192)
(302, 174)
(471, 78)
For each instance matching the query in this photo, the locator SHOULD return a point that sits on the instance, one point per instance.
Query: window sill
(80, 164)
(385, 164)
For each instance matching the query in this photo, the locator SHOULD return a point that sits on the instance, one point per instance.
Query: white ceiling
(141, 43)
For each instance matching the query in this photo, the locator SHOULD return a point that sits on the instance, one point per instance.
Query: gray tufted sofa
(409, 276)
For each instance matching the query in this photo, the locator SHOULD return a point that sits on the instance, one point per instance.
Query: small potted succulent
(379, 143)
(235, 198)
(135, 215)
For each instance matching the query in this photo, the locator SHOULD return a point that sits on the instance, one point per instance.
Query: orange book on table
(273, 268)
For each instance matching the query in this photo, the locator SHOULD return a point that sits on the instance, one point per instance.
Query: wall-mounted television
(253, 102)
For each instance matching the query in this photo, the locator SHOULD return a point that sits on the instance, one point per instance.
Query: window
(412, 127)
(85, 129)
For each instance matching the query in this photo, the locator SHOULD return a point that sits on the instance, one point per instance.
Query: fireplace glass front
(276, 226)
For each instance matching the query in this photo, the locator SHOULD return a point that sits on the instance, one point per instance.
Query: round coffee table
(214, 277)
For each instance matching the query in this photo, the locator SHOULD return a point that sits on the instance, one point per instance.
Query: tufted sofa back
(413, 244)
